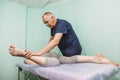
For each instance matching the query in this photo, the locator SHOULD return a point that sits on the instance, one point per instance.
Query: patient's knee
(51, 62)
(28, 61)
(68, 60)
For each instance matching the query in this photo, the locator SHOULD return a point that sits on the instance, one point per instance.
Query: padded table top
(77, 71)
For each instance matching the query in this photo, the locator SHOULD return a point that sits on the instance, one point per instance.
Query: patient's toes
(114, 63)
(12, 50)
(12, 46)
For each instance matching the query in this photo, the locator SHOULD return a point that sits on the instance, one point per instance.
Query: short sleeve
(62, 28)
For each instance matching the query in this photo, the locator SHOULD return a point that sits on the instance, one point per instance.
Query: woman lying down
(53, 59)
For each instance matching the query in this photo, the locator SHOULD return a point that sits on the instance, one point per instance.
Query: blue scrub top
(69, 44)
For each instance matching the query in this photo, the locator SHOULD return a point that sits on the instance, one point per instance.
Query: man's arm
(53, 42)
(51, 38)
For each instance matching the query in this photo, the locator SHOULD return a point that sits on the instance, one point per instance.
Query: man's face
(49, 20)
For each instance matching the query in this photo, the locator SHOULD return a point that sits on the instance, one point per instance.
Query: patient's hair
(47, 13)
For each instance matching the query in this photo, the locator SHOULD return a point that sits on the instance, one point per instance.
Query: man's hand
(29, 54)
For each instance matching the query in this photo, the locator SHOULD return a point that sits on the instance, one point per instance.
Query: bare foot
(16, 51)
(99, 56)
(109, 62)
(101, 59)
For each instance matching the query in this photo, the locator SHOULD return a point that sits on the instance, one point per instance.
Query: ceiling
(38, 3)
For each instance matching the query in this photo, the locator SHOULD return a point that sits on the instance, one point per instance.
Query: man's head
(49, 19)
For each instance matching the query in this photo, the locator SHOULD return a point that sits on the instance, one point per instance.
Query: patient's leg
(68, 60)
(43, 61)
(99, 58)
(40, 60)
(28, 61)
(77, 59)
(102, 59)
(16, 51)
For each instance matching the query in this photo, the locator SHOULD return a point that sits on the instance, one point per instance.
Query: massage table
(77, 71)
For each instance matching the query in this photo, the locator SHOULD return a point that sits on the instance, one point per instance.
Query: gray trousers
(54, 59)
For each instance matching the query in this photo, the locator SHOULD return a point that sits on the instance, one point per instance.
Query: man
(63, 36)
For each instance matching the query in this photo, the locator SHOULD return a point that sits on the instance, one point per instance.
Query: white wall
(12, 31)
(98, 24)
